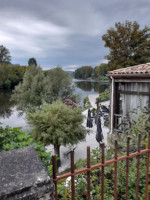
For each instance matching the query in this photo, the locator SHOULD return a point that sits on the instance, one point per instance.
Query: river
(10, 116)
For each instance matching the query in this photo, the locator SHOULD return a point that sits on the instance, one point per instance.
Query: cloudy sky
(64, 32)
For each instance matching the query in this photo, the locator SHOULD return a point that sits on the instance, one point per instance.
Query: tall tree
(61, 85)
(99, 71)
(31, 92)
(4, 55)
(57, 124)
(128, 44)
(32, 61)
(37, 87)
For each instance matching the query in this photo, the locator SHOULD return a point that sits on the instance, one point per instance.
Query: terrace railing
(102, 165)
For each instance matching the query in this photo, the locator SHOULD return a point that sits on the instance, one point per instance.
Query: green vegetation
(30, 93)
(86, 102)
(128, 44)
(13, 138)
(104, 96)
(83, 72)
(10, 75)
(61, 86)
(57, 124)
(99, 72)
(137, 126)
(87, 72)
(38, 87)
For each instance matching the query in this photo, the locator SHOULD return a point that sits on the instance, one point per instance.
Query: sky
(66, 33)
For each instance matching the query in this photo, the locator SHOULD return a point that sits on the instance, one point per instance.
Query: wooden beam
(134, 92)
(132, 80)
(129, 75)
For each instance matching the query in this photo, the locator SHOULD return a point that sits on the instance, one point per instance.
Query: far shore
(90, 80)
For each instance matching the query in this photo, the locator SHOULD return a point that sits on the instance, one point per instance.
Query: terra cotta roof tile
(138, 69)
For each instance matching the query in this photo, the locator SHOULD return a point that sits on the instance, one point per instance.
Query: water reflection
(83, 87)
(88, 86)
(6, 106)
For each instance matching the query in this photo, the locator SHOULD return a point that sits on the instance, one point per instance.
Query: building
(130, 88)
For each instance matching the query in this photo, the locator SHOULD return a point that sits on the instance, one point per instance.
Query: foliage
(4, 55)
(61, 86)
(129, 45)
(139, 123)
(86, 72)
(38, 87)
(10, 75)
(13, 138)
(32, 91)
(57, 124)
(83, 72)
(5, 104)
(100, 71)
(81, 179)
(104, 96)
(86, 102)
(32, 61)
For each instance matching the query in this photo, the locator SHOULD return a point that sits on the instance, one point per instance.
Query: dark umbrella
(99, 134)
(89, 119)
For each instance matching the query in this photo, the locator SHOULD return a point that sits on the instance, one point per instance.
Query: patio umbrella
(99, 134)
(89, 120)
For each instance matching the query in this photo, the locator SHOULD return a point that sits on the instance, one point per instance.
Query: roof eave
(129, 75)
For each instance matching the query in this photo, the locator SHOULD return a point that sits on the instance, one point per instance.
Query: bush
(86, 102)
(104, 96)
(57, 124)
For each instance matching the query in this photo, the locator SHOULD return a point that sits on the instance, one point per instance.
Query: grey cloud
(64, 32)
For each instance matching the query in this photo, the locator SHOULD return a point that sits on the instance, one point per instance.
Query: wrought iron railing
(102, 165)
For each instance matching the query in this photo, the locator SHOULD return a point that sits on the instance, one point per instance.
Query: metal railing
(103, 164)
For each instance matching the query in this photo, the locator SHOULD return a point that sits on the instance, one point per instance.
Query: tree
(83, 72)
(10, 75)
(128, 44)
(32, 61)
(61, 85)
(36, 88)
(31, 92)
(99, 71)
(4, 55)
(57, 124)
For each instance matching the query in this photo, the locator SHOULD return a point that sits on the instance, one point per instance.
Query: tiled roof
(142, 69)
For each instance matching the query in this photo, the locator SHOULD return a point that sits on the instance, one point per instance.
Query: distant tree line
(87, 72)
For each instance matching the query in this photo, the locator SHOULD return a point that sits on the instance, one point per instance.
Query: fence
(103, 164)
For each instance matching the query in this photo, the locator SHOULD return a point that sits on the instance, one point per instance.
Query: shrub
(104, 96)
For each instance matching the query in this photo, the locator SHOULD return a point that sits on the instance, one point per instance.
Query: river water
(9, 116)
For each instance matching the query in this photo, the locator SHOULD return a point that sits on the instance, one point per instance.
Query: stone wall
(23, 176)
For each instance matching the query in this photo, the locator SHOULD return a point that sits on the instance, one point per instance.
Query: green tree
(128, 44)
(32, 61)
(57, 124)
(100, 71)
(83, 72)
(31, 92)
(4, 55)
(61, 85)
(37, 87)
